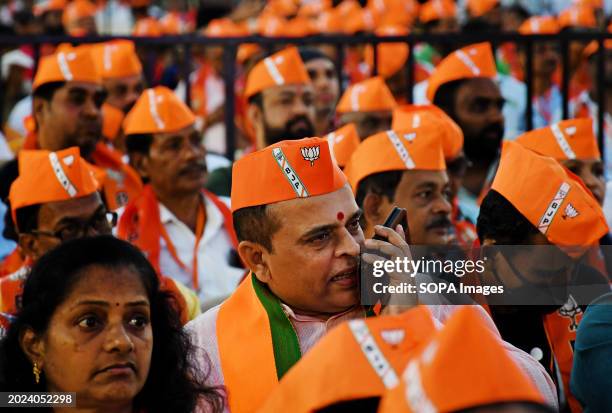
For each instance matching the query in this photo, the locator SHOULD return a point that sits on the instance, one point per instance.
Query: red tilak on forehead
(340, 216)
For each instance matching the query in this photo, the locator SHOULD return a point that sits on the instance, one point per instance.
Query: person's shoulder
(220, 181)
(203, 327)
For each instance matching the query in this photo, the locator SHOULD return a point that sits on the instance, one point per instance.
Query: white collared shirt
(217, 279)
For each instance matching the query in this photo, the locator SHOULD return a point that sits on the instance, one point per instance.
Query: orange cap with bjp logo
(282, 68)
(567, 139)
(540, 25)
(549, 196)
(478, 8)
(405, 150)
(69, 65)
(577, 17)
(116, 59)
(391, 56)
(158, 110)
(437, 10)
(459, 370)
(286, 170)
(51, 176)
(111, 121)
(370, 95)
(343, 142)
(412, 116)
(469, 62)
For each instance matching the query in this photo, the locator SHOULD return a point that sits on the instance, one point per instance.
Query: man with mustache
(185, 231)
(281, 105)
(463, 87)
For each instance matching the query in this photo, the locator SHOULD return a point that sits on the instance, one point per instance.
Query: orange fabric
(577, 17)
(245, 392)
(246, 51)
(437, 10)
(568, 139)
(116, 59)
(78, 9)
(139, 3)
(391, 56)
(122, 183)
(172, 24)
(327, 373)
(157, 110)
(553, 199)
(49, 5)
(225, 28)
(342, 143)
(469, 62)
(314, 8)
(370, 95)
(282, 68)
(404, 150)
(11, 289)
(284, 8)
(11, 262)
(283, 171)
(148, 27)
(72, 65)
(329, 21)
(395, 12)
(460, 369)
(360, 20)
(406, 116)
(540, 25)
(269, 25)
(111, 121)
(478, 8)
(51, 176)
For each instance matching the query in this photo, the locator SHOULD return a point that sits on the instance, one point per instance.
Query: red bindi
(340, 216)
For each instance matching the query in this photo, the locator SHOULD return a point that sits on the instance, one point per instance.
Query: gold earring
(36, 372)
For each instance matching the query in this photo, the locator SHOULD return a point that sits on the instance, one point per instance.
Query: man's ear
(255, 257)
(39, 105)
(29, 245)
(140, 162)
(373, 210)
(32, 346)
(254, 114)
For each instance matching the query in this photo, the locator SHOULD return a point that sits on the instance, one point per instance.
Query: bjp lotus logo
(311, 154)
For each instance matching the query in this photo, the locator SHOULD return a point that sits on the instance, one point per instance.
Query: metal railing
(230, 49)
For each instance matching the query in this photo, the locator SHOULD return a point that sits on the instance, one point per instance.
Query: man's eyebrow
(425, 185)
(330, 227)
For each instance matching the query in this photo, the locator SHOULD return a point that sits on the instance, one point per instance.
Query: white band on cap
(468, 62)
(64, 67)
(553, 207)
(357, 90)
(153, 109)
(401, 150)
(61, 175)
(294, 179)
(274, 72)
(563, 143)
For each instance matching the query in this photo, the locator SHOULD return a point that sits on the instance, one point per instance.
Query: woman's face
(99, 340)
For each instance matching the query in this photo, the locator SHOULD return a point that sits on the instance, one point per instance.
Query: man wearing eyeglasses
(55, 199)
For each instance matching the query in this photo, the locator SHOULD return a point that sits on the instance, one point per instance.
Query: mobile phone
(396, 217)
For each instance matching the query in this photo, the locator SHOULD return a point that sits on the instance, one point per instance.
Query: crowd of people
(146, 270)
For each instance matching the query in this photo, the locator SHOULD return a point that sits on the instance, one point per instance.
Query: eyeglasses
(101, 223)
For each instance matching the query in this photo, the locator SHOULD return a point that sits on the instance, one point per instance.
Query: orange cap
(148, 27)
(395, 12)
(111, 121)
(396, 151)
(568, 139)
(314, 8)
(329, 21)
(225, 28)
(281, 8)
(437, 10)
(577, 17)
(286, 170)
(282, 68)
(171, 24)
(412, 116)
(460, 369)
(540, 25)
(116, 59)
(553, 199)
(343, 142)
(49, 5)
(70, 65)
(51, 176)
(469, 62)
(157, 110)
(478, 8)
(594, 4)
(370, 95)
(246, 51)
(78, 9)
(391, 56)
(360, 20)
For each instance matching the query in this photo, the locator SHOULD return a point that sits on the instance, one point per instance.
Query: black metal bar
(339, 67)
(36, 57)
(529, 83)
(229, 75)
(187, 72)
(565, 81)
(601, 96)
(375, 60)
(410, 70)
(2, 101)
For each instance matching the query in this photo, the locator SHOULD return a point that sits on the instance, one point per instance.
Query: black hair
(445, 97)
(308, 53)
(27, 218)
(47, 90)
(530, 407)
(140, 143)
(174, 383)
(23, 17)
(256, 99)
(256, 224)
(382, 183)
(501, 221)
